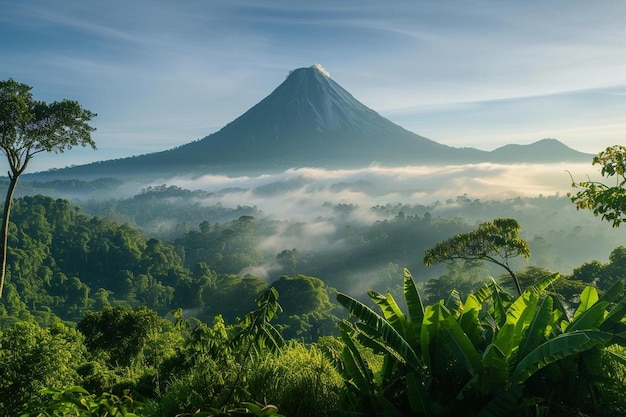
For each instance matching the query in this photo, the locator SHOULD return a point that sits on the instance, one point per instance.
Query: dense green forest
(106, 310)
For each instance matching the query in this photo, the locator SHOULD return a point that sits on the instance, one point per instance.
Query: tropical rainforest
(157, 305)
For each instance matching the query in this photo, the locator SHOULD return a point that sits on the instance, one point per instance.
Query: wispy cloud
(302, 194)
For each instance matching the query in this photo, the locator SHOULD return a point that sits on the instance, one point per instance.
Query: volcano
(307, 121)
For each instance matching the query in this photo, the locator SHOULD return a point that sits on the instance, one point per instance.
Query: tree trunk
(5, 227)
(516, 281)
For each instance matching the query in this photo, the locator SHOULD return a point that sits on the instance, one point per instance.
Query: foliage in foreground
(76, 401)
(488, 356)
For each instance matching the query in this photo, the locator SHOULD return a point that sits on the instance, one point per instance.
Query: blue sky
(463, 73)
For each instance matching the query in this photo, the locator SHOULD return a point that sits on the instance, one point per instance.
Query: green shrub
(300, 380)
(33, 358)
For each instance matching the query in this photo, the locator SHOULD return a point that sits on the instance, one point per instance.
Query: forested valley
(160, 304)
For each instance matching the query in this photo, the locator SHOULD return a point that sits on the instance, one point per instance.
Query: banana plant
(492, 344)
(396, 336)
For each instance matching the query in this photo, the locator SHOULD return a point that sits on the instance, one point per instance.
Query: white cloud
(321, 70)
(302, 194)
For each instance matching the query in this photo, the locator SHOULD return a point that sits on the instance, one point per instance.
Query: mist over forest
(355, 228)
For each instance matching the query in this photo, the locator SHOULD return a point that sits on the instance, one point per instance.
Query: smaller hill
(543, 151)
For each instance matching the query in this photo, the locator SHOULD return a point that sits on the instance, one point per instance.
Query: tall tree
(29, 127)
(496, 241)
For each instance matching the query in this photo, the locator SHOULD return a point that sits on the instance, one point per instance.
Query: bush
(300, 380)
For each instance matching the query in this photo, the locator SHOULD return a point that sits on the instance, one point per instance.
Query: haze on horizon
(473, 74)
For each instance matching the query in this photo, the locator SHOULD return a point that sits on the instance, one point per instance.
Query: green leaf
(414, 305)
(469, 320)
(544, 283)
(76, 389)
(496, 366)
(588, 297)
(485, 291)
(590, 318)
(556, 349)
(355, 366)
(383, 329)
(433, 315)
(386, 407)
(461, 346)
(518, 317)
(368, 337)
(418, 396)
(613, 292)
(538, 329)
(499, 310)
(615, 356)
(454, 304)
(613, 321)
(389, 308)
(503, 404)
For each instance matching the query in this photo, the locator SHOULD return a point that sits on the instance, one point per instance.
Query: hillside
(543, 151)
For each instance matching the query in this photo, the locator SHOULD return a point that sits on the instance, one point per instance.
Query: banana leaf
(615, 356)
(391, 311)
(497, 369)
(519, 315)
(382, 329)
(553, 350)
(418, 396)
(503, 404)
(434, 314)
(368, 337)
(613, 321)
(469, 320)
(415, 308)
(538, 329)
(356, 368)
(588, 297)
(590, 318)
(613, 292)
(461, 346)
(485, 291)
(454, 304)
(544, 283)
(499, 308)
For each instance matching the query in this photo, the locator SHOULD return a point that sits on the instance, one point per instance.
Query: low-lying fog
(299, 194)
(310, 209)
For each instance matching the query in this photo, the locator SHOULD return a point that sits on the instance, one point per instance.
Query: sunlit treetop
(496, 241)
(607, 201)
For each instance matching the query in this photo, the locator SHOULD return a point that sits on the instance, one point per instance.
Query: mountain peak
(313, 69)
(308, 101)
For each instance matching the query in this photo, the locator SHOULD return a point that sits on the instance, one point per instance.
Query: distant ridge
(310, 120)
(544, 150)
